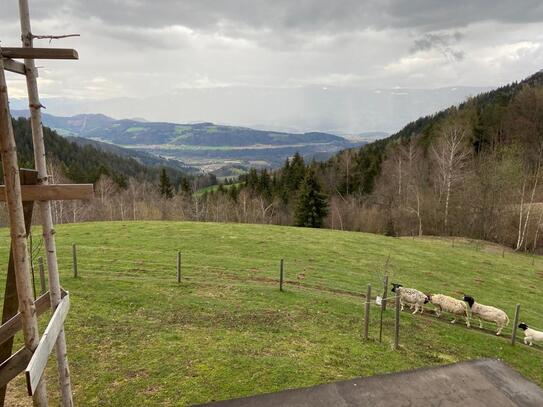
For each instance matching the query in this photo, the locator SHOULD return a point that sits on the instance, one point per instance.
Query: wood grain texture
(39, 53)
(16, 364)
(59, 192)
(37, 364)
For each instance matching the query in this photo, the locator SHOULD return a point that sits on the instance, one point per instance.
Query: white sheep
(531, 335)
(451, 305)
(487, 313)
(414, 298)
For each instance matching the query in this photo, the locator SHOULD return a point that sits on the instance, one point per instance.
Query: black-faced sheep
(531, 335)
(444, 303)
(487, 313)
(410, 296)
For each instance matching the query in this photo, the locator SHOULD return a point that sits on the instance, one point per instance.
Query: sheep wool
(412, 297)
(531, 335)
(487, 313)
(450, 305)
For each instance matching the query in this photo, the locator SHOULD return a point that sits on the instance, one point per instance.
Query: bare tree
(450, 154)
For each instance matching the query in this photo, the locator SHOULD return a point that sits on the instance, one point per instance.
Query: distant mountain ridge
(136, 132)
(207, 146)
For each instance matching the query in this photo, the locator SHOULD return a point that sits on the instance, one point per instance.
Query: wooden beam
(58, 192)
(37, 364)
(13, 325)
(14, 66)
(11, 302)
(16, 364)
(39, 53)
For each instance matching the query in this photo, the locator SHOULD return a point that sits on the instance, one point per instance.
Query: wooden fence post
(367, 312)
(74, 259)
(515, 324)
(383, 306)
(397, 323)
(385, 292)
(178, 266)
(42, 276)
(281, 267)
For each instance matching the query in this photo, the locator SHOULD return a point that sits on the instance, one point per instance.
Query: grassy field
(136, 337)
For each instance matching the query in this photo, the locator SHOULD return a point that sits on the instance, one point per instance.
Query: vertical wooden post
(397, 322)
(281, 267)
(11, 303)
(14, 205)
(385, 292)
(367, 312)
(515, 324)
(178, 266)
(74, 259)
(42, 276)
(383, 306)
(46, 216)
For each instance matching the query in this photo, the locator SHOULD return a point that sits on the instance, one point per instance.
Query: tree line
(473, 171)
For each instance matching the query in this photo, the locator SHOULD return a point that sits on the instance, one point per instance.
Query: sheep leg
(438, 311)
(453, 321)
(480, 324)
(416, 309)
(467, 321)
(422, 309)
(499, 330)
(402, 304)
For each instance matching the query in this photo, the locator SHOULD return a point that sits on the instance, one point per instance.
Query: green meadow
(138, 338)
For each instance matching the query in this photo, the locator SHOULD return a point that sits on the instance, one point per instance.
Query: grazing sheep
(414, 298)
(531, 335)
(451, 305)
(487, 313)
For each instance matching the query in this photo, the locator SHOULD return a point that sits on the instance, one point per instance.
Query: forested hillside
(87, 163)
(472, 170)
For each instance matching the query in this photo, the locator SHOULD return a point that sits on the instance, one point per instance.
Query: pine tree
(166, 189)
(185, 187)
(311, 207)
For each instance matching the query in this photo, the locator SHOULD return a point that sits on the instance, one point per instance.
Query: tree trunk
(14, 205)
(45, 206)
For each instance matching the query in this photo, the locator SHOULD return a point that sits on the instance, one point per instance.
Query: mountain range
(208, 146)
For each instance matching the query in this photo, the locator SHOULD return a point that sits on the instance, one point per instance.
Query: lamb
(451, 305)
(414, 298)
(531, 335)
(487, 313)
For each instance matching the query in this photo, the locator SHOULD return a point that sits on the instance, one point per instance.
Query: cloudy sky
(149, 50)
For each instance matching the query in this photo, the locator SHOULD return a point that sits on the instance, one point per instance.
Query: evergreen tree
(311, 207)
(185, 187)
(166, 189)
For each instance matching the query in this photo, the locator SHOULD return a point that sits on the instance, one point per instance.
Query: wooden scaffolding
(20, 190)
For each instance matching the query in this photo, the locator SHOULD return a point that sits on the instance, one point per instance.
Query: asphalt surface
(483, 382)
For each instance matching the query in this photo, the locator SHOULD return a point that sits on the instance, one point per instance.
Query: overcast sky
(143, 48)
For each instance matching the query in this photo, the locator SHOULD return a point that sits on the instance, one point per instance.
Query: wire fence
(161, 268)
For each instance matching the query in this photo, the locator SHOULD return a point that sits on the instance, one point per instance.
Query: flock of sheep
(461, 308)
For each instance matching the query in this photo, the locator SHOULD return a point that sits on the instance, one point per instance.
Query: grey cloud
(443, 42)
(304, 15)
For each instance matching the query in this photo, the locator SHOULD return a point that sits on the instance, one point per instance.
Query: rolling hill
(136, 337)
(87, 161)
(206, 145)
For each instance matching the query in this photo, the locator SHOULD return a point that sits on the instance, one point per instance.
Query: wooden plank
(16, 364)
(39, 53)
(19, 244)
(37, 364)
(14, 66)
(11, 302)
(13, 325)
(58, 192)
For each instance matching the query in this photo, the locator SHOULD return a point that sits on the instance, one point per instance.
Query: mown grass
(136, 337)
